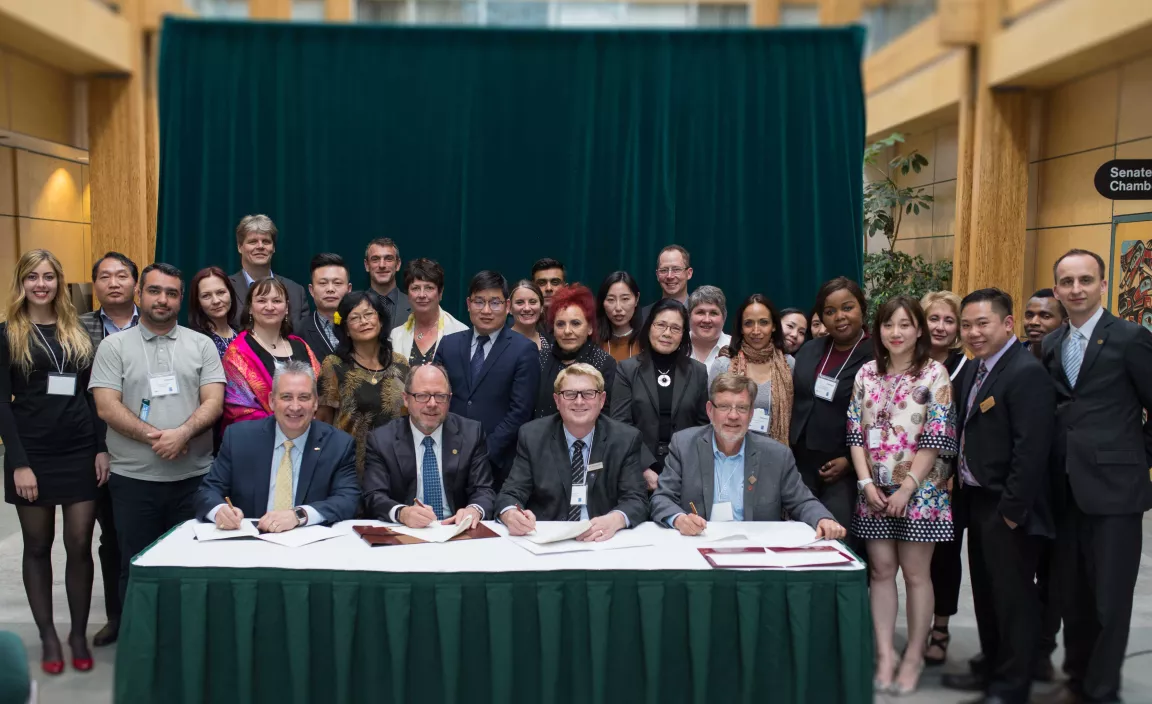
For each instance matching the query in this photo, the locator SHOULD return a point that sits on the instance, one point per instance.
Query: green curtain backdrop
(491, 148)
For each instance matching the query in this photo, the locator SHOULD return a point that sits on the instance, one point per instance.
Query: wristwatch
(301, 516)
(861, 483)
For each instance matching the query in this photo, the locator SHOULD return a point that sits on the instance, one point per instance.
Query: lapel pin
(454, 451)
(316, 448)
(1099, 342)
(752, 479)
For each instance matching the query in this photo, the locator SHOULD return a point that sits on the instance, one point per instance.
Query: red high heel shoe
(81, 664)
(52, 667)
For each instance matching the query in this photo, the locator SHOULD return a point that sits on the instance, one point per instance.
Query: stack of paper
(435, 532)
(207, 532)
(556, 537)
(555, 531)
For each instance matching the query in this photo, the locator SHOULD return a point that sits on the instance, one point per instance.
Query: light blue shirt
(296, 456)
(492, 337)
(110, 328)
(1085, 331)
(251, 280)
(727, 480)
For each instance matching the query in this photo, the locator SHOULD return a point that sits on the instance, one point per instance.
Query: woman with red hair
(572, 321)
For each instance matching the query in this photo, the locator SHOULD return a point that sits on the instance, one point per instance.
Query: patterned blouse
(363, 399)
(908, 412)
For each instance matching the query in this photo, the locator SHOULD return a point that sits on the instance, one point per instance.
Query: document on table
(622, 539)
(555, 531)
(724, 531)
(780, 559)
(435, 532)
(207, 532)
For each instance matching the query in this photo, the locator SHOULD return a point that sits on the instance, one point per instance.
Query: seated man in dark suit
(606, 481)
(494, 372)
(256, 242)
(290, 469)
(431, 465)
(729, 474)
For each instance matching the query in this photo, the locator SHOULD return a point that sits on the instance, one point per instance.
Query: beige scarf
(780, 379)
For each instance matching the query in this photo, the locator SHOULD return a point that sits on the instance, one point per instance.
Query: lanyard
(959, 366)
(55, 362)
(842, 364)
(147, 365)
(726, 482)
(884, 416)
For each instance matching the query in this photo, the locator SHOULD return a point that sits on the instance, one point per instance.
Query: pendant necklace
(664, 380)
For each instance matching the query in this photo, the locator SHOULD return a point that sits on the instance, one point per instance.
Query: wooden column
(765, 13)
(964, 158)
(151, 137)
(834, 12)
(270, 9)
(338, 10)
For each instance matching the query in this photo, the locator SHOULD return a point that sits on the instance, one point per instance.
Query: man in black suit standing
(605, 482)
(382, 262)
(431, 465)
(494, 371)
(1006, 406)
(256, 241)
(1042, 315)
(329, 284)
(1100, 366)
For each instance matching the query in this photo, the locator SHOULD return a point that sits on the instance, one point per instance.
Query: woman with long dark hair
(54, 445)
(618, 308)
(572, 318)
(362, 383)
(795, 324)
(661, 390)
(212, 306)
(757, 351)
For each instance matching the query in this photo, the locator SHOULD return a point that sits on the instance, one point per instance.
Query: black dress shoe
(964, 682)
(1042, 671)
(977, 664)
(1060, 695)
(107, 635)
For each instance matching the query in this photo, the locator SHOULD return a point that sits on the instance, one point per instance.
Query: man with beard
(382, 262)
(159, 387)
(1042, 315)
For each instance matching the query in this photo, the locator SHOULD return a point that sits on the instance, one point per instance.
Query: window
(722, 16)
(308, 10)
(517, 14)
(799, 16)
(230, 9)
(645, 15)
(383, 11)
(446, 12)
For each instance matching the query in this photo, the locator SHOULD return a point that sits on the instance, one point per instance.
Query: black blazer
(307, 329)
(1102, 440)
(826, 422)
(541, 477)
(501, 396)
(390, 467)
(243, 469)
(1007, 439)
(297, 299)
(636, 400)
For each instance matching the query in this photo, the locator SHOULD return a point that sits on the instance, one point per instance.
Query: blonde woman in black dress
(54, 445)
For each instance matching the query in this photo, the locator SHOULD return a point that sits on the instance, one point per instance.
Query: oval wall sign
(1125, 179)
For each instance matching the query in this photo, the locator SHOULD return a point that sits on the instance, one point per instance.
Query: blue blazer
(242, 471)
(503, 394)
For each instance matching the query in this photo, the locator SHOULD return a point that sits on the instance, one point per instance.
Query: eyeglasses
(728, 408)
(673, 270)
(364, 318)
(587, 394)
(481, 304)
(665, 327)
(549, 282)
(424, 398)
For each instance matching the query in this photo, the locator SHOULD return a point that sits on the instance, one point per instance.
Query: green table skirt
(303, 637)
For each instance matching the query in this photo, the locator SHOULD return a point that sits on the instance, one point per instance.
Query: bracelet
(914, 479)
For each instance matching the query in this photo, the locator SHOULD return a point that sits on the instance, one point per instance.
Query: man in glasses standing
(673, 271)
(603, 481)
(495, 371)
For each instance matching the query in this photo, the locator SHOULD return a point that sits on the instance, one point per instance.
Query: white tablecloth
(666, 549)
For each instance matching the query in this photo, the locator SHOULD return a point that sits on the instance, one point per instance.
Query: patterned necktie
(1073, 356)
(282, 498)
(579, 476)
(966, 475)
(478, 357)
(430, 474)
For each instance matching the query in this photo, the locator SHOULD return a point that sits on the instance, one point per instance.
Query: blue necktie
(1073, 357)
(433, 495)
(478, 358)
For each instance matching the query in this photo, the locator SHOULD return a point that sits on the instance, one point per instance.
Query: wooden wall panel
(40, 98)
(1133, 150)
(1067, 195)
(917, 47)
(765, 13)
(8, 254)
(944, 210)
(1135, 119)
(928, 95)
(947, 152)
(116, 131)
(1050, 244)
(5, 103)
(925, 143)
(1081, 115)
(270, 9)
(48, 188)
(7, 181)
(86, 193)
(338, 10)
(64, 239)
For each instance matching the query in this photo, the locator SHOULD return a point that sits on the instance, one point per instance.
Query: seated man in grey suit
(725, 473)
(430, 465)
(289, 469)
(576, 464)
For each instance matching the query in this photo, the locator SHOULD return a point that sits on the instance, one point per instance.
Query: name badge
(579, 495)
(61, 384)
(825, 387)
(722, 512)
(164, 385)
(595, 466)
(759, 421)
(875, 438)
(987, 404)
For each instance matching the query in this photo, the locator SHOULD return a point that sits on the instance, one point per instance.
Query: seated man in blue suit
(290, 469)
(494, 371)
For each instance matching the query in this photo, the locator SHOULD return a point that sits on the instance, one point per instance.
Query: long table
(486, 622)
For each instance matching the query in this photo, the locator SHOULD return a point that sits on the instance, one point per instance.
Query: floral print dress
(891, 417)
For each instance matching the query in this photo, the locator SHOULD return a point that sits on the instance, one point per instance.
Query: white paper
(208, 531)
(789, 534)
(164, 385)
(825, 387)
(436, 532)
(722, 513)
(780, 560)
(555, 531)
(622, 539)
(579, 494)
(724, 531)
(809, 557)
(759, 421)
(300, 536)
(61, 384)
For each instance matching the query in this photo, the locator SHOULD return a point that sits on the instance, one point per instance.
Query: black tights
(38, 526)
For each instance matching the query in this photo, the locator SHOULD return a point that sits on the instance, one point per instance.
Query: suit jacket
(825, 421)
(636, 400)
(243, 470)
(541, 476)
(1008, 439)
(1102, 441)
(297, 298)
(400, 311)
(307, 329)
(771, 481)
(391, 465)
(501, 396)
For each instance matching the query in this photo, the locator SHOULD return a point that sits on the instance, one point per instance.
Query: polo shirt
(121, 364)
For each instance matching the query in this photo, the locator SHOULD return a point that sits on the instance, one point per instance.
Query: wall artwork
(1131, 280)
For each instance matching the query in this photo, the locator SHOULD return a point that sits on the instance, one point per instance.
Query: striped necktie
(1073, 356)
(579, 476)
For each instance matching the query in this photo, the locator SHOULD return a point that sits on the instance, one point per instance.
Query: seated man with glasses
(673, 271)
(576, 465)
(494, 370)
(431, 465)
(721, 472)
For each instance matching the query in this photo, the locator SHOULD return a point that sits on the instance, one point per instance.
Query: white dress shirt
(297, 457)
(1086, 329)
(492, 337)
(725, 338)
(418, 445)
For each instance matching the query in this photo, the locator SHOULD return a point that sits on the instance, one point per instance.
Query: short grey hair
(412, 376)
(727, 382)
(708, 294)
(293, 367)
(260, 224)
